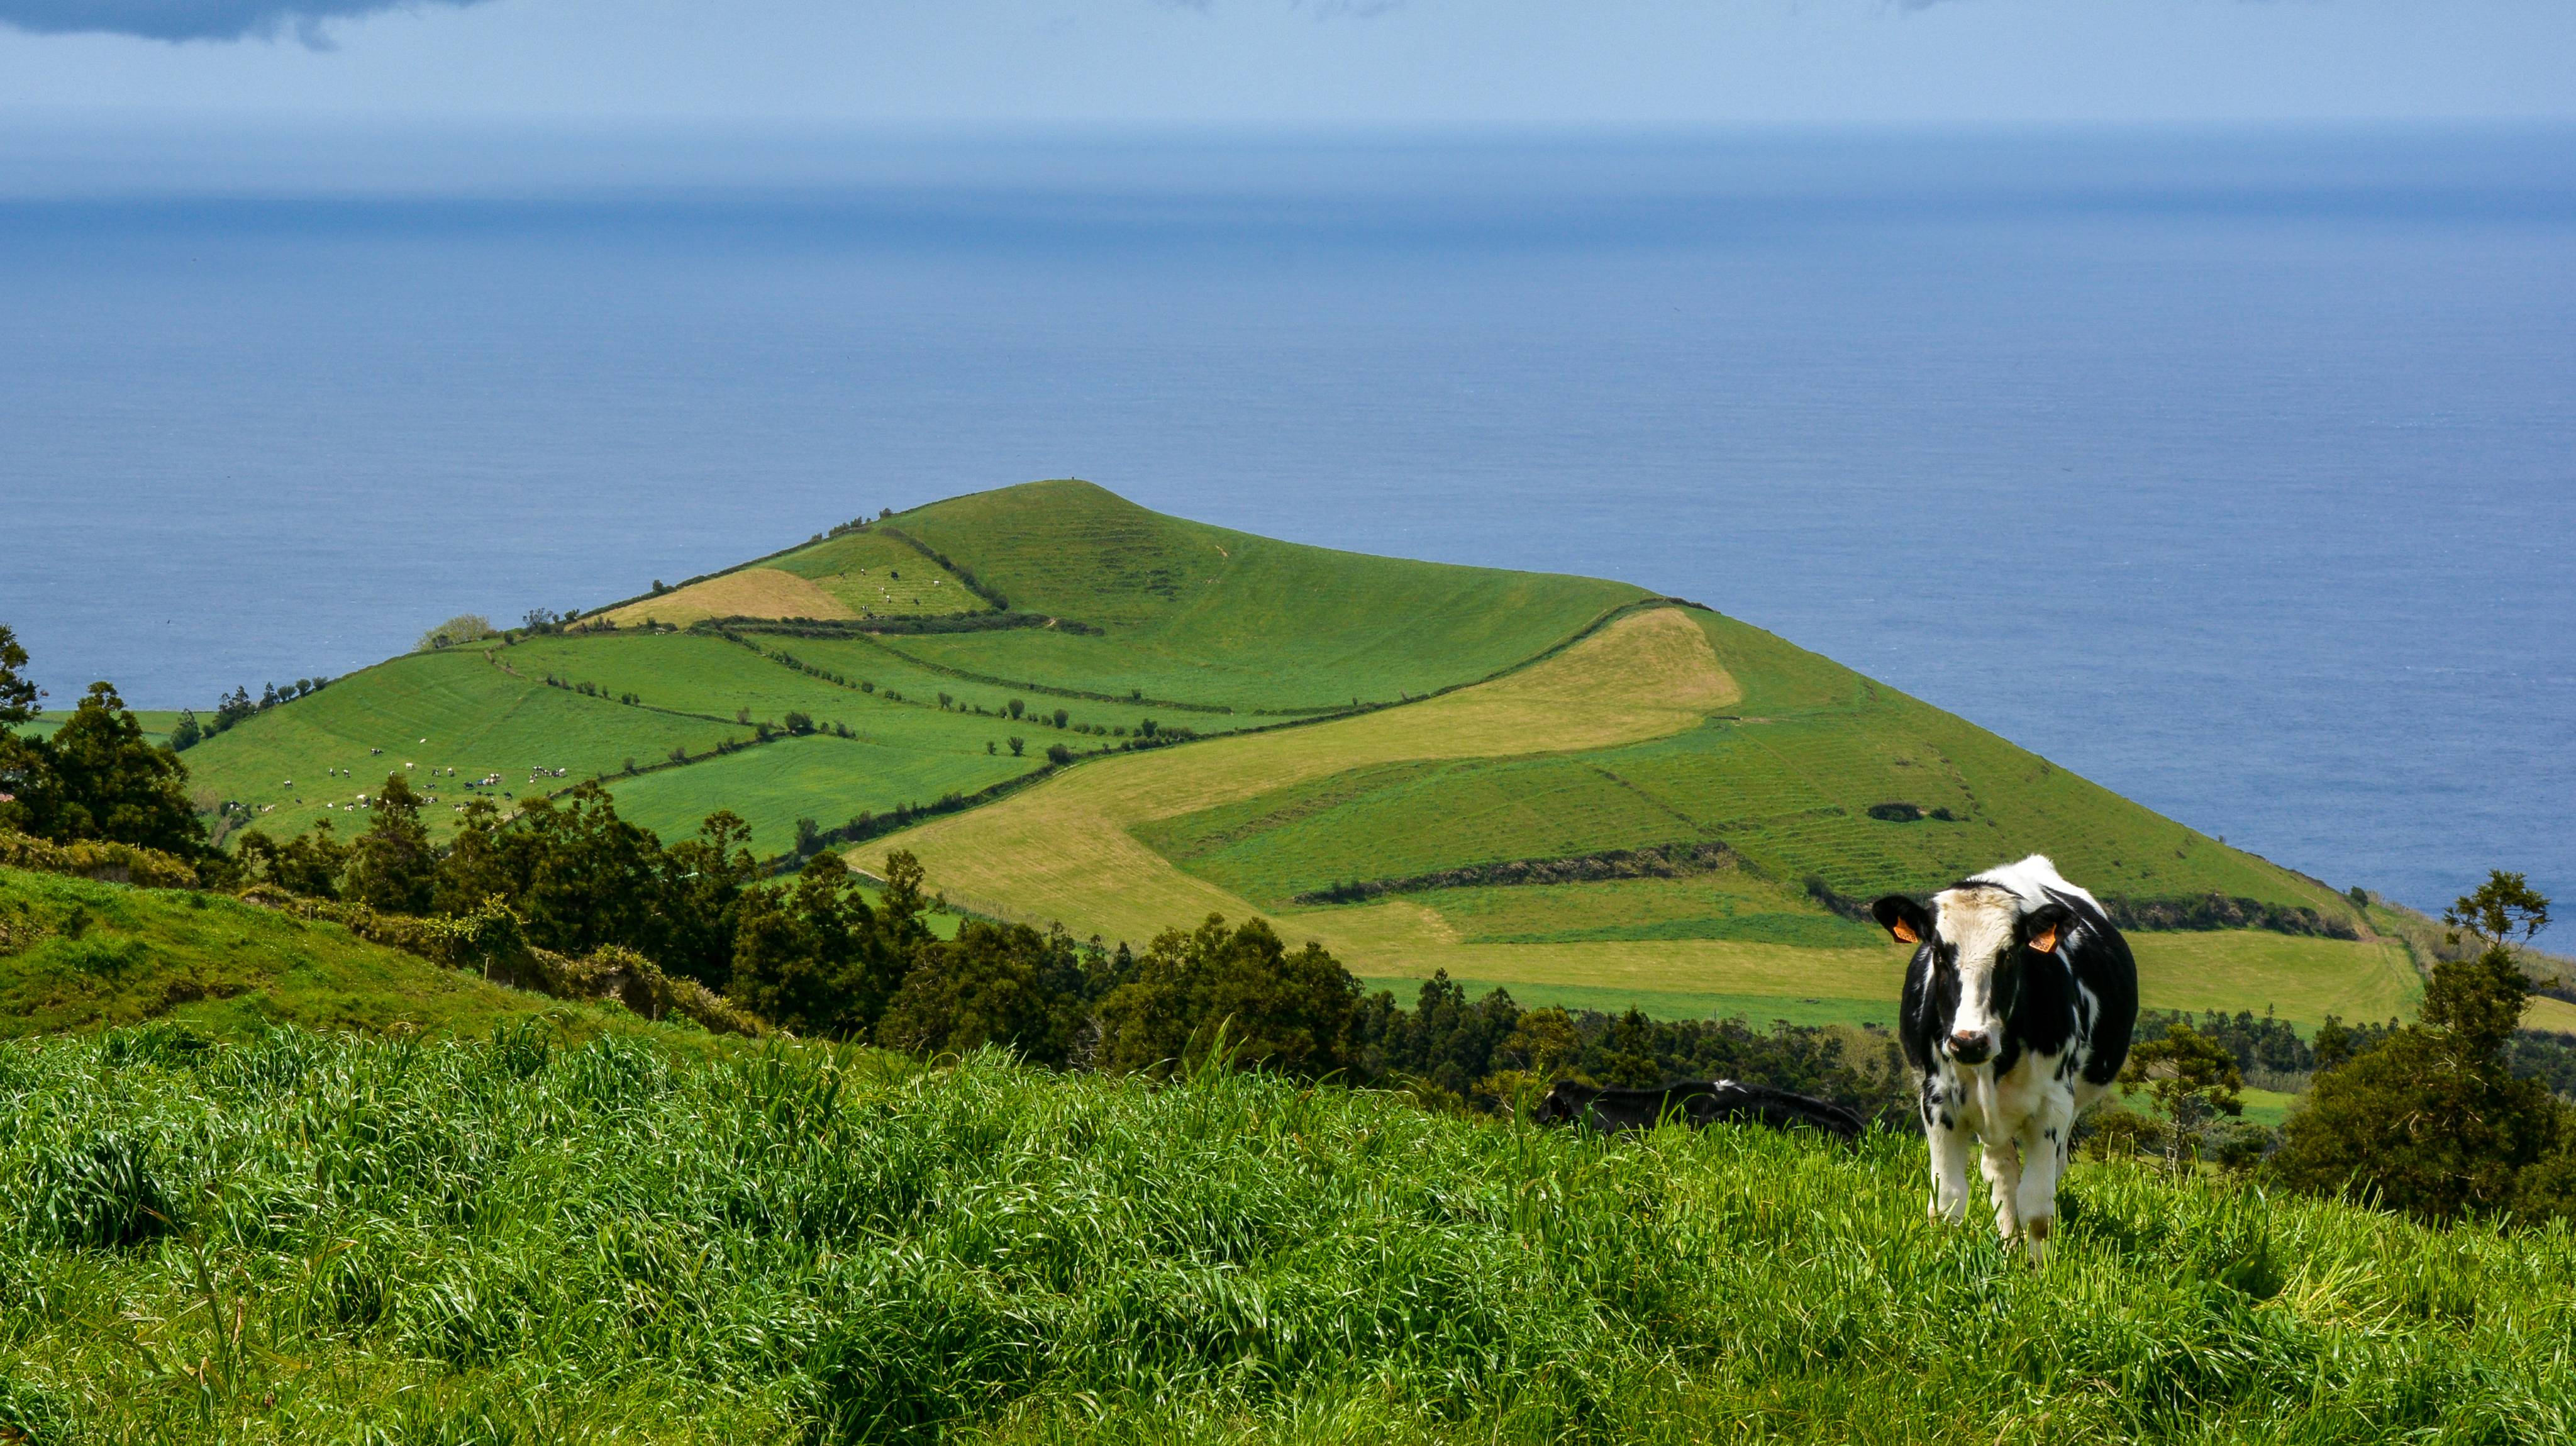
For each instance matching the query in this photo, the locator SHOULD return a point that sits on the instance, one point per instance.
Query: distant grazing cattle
(1696, 1103)
(2016, 1016)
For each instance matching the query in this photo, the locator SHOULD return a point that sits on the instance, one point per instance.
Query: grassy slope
(476, 717)
(1623, 716)
(1201, 614)
(499, 716)
(484, 1243)
(1787, 781)
(825, 779)
(107, 955)
(880, 576)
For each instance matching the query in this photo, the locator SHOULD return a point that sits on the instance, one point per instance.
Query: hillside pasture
(1727, 904)
(823, 778)
(876, 575)
(2301, 980)
(1063, 850)
(475, 718)
(156, 722)
(893, 662)
(1793, 793)
(725, 680)
(753, 592)
(1279, 812)
(519, 1240)
(1204, 615)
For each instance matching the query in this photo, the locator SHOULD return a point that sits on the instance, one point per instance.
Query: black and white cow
(2017, 1013)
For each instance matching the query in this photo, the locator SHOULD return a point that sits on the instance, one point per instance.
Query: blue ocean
(2231, 469)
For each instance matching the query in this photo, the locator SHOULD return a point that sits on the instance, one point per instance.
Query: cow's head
(1977, 940)
(1563, 1103)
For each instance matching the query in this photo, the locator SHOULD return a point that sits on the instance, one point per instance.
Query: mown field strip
(1062, 850)
(2302, 980)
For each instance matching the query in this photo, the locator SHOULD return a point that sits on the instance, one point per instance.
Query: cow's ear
(1903, 918)
(2042, 927)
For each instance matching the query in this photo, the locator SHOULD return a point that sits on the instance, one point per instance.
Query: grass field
(754, 592)
(315, 1239)
(1205, 615)
(157, 722)
(730, 681)
(2302, 980)
(880, 576)
(106, 955)
(1081, 848)
(1063, 850)
(442, 710)
(825, 779)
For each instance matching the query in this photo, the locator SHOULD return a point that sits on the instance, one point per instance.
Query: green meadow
(1200, 614)
(827, 779)
(157, 722)
(313, 1238)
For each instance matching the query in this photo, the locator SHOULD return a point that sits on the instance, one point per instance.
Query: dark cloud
(197, 19)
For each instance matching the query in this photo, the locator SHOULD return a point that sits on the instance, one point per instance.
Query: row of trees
(814, 954)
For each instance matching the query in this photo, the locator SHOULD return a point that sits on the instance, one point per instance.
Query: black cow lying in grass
(1696, 1103)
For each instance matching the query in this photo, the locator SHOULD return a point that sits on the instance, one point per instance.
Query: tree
(2192, 1078)
(2503, 913)
(19, 694)
(1005, 985)
(1291, 1012)
(817, 959)
(1017, 744)
(2334, 1043)
(393, 867)
(188, 732)
(97, 778)
(1060, 716)
(308, 865)
(1059, 755)
(1017, 707)
(2430, 1120)
(800, 724)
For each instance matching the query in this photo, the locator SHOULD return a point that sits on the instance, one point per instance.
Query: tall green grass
(318, 1239)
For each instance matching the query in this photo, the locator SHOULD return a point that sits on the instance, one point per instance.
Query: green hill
(1559, 784)
(78, 956)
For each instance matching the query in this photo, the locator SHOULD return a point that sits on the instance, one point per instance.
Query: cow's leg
(1947, 1135)
(2044, 1138)
(2003, 1170)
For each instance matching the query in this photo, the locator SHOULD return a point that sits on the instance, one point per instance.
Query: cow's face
(1563, 1103)
(1977, 941)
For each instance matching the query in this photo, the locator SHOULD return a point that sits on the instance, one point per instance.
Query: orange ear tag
(1904, 932)
(2045, 943)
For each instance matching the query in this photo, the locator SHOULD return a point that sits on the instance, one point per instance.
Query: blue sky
(1229, 62)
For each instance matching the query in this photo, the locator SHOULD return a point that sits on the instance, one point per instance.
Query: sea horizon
(2225, 466)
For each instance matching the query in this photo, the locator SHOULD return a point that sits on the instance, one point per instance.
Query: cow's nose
(1970, 1046)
